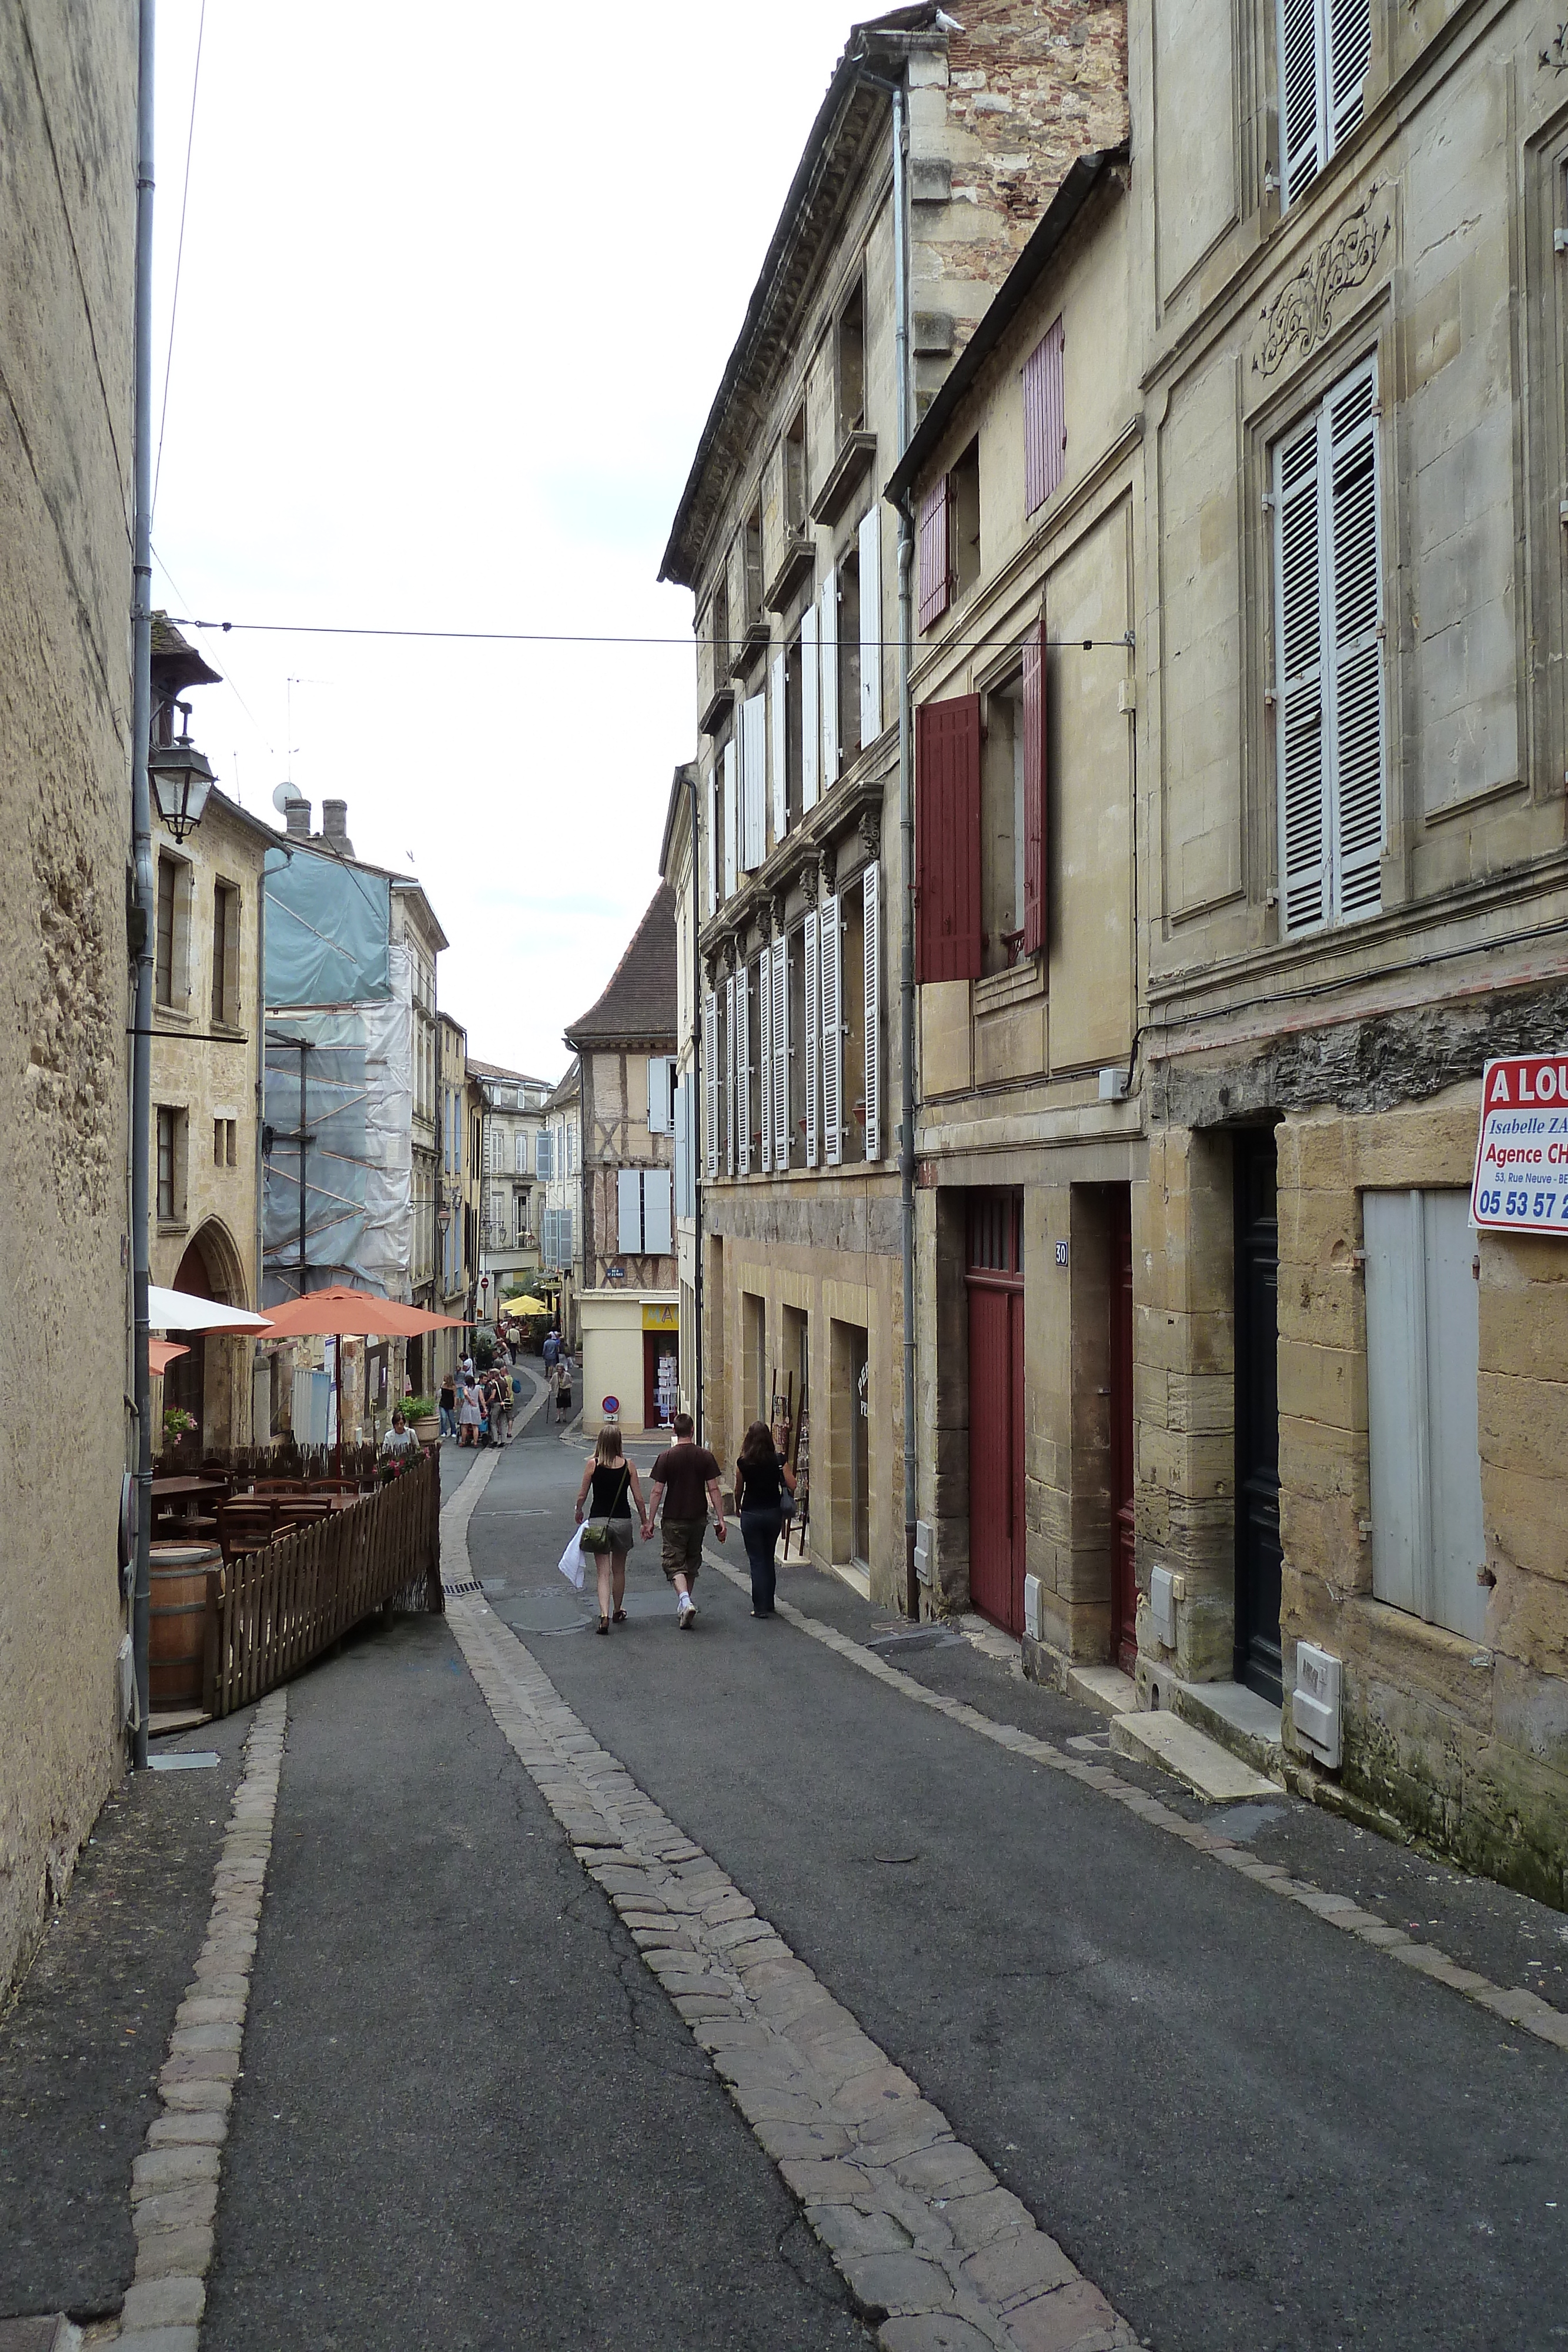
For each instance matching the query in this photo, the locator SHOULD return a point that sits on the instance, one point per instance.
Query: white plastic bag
(571, 1562)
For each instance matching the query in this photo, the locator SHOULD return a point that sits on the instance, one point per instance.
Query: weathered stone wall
(67, 197)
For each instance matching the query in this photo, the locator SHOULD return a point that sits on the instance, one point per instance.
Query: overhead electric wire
(604, 637)
(179, 256)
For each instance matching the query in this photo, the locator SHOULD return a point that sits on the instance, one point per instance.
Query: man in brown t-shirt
(686, 1477)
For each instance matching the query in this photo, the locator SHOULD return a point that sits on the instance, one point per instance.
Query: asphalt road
(468, 2118)
(81, 2046)
(1251, 2130)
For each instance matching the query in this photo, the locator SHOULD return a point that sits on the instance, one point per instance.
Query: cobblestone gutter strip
(931, 2245)
(175, 2181)
(1516, 2005)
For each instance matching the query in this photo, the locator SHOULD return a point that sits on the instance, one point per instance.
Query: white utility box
(1315, 1702)
(1032, 1608)
(1161, 1605)
(922, 1550)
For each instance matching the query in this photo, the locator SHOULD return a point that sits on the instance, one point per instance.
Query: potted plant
(421, 1414)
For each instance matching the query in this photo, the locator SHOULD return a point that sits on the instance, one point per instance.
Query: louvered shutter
(947, 839)
(546, 1153)
(934, 574)
(871, 926)
(1034, 791)
(743, 1071)
(1044, 417)
(1348, 452)
(680, 1124)
(871, 627)
(809, 730)
(629, 1204)
(828, 663)
(1301, 102)
(764, 985)
(660, 1110)
(658, 1239)
(729, 1075)
(832, 990)
(754, 769)
(731, 814)
(710, 1080)
(814, 1029)
(780, 747)
(1302, 781)
(1349, 48)
(782, 1136)
(711, 865)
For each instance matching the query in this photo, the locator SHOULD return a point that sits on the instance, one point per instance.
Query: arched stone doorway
(211, 1382)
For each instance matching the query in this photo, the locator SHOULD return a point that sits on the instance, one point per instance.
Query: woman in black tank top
(609, 1488)
(761, 1475)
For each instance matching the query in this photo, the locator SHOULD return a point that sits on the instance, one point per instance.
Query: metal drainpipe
(141, 850)
(907, 829)
(695, 1124)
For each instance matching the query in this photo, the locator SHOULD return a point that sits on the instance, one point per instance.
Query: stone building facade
(512, 1209)
(627, 1301)
(1029, 1145)
(66, 241)
(560, 1152)
(1351, 888)
(678, 872)
(783, 536)
(458, 1211)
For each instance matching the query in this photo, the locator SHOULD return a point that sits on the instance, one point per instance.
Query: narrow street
(468, 2114)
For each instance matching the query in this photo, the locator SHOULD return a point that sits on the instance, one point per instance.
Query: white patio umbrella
(181, 1310)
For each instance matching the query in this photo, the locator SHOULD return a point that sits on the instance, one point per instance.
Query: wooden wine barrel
(177, 1637)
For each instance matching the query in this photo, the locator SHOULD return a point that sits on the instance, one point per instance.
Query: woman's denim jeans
(759, 1534)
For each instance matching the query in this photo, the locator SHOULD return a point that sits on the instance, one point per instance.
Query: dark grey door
(1256, 1415)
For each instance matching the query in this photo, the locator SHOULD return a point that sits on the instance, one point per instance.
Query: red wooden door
(1123, 1574)
(995, 1278)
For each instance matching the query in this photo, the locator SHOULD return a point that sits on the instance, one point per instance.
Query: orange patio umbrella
(339, 1313)
(160, 1354)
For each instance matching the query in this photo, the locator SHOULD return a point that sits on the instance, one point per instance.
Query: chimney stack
(296, 818)
(335, 827)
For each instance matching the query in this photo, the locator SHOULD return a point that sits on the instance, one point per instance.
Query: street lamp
(179, 779)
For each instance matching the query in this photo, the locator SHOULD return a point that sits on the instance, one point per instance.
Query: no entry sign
(1520, 1183)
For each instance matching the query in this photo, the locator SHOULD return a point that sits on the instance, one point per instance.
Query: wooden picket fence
(270, 1612)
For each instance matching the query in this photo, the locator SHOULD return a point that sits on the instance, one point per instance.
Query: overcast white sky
(457, 290)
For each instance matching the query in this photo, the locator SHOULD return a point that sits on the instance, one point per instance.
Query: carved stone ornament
(781, 916)
(810, 882)
(828, 866)
(871, 832)
(1302, 313)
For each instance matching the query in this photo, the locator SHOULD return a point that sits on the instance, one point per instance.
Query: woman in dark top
(611, 1479)
(761, 1477)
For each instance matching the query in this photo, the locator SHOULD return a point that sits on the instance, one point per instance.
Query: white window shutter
(729, 821)
(743, 1071)
(1347, 466)
(659, 1104)
(629, 1203)
(814, 1030)
(1300, 96)
(808, 726)
(781, 748)
(679, 1122)
(754, 768)
(832, 1013)
(828, 652)
(1348, 26)
(658, 1239)
(870, 906)
(871, 627)
(730, 1074)
(1299, 689)
(710, 1080)
(782, 1136)
(764, 985)
(711, 865)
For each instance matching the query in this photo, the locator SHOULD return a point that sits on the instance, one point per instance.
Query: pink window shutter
(1034, 926)
(934, 558)
(1044, 417)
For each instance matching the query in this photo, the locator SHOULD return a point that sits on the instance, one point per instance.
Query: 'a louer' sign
(1521, 1182)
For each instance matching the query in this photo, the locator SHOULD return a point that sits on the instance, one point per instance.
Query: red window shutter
(1044, 418)
(947, 839)
(1034, 791)
(933, 573)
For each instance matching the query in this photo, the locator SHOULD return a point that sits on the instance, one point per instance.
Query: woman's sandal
(620, 1617)
(604, 1624)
